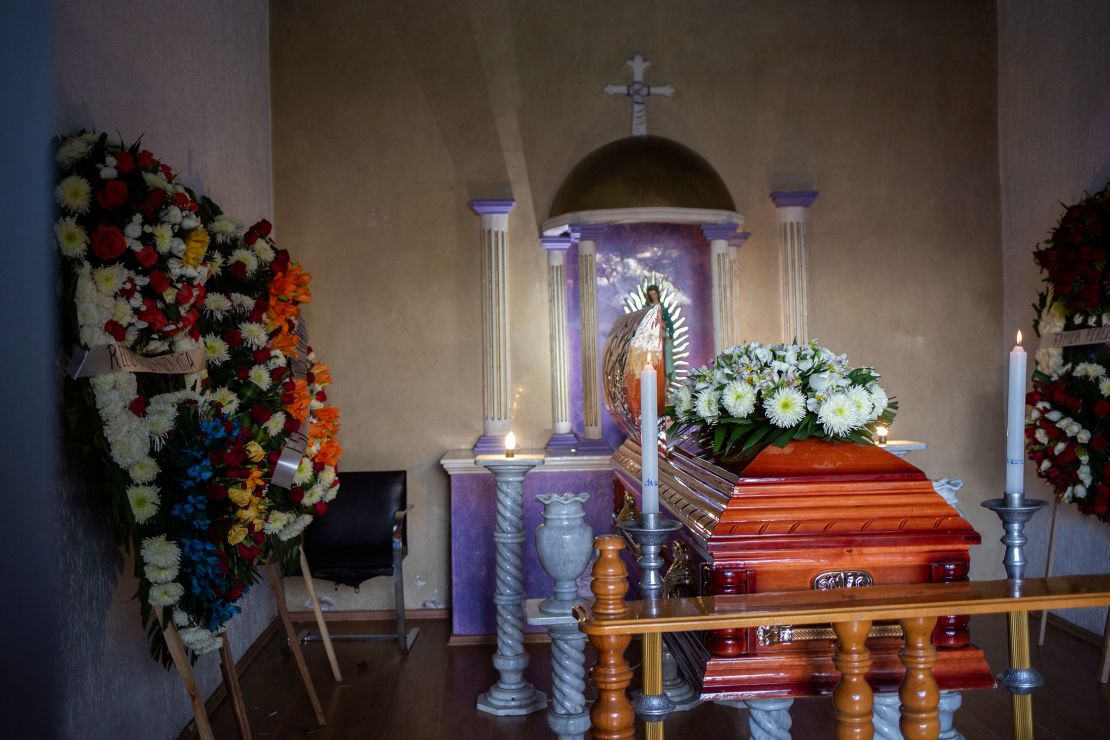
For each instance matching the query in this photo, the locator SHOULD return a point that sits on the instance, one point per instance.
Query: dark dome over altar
(642, 172)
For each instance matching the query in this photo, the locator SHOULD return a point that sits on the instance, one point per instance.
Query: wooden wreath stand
(227, 659)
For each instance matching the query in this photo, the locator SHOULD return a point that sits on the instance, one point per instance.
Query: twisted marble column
(511, 694)
(768, 719)
(887, 714)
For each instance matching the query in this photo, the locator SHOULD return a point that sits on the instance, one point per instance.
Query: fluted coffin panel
(810, 515)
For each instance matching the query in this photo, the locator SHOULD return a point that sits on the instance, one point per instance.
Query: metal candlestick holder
(650, 532)
(1014, 511)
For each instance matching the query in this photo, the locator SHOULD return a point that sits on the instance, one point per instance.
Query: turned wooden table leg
(612, 716)
(919, 694)
(852, 695)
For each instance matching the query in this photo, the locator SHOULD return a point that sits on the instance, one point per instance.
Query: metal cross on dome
(639, 91)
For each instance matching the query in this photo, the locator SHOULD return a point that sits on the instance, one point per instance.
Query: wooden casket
(811, 515)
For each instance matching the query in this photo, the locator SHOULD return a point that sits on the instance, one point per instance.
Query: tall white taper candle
(1015, 427)
(649, 442)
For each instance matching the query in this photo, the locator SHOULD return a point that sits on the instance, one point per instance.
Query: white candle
(510, 445)
(1015, 427)
(649, 442)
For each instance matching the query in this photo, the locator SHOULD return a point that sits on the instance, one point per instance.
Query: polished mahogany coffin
(811, 515)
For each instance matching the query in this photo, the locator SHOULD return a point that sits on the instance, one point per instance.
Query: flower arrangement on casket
(1068, 428)
(183, 464)
(753, 395)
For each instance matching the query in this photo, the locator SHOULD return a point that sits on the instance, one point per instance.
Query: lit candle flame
(1019, 337)
(510, 441)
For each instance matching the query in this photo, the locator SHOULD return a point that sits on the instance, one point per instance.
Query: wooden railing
(612, 622)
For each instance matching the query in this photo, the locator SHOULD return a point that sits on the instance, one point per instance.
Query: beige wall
(1053, 119)
(389, 117)
(193, 80)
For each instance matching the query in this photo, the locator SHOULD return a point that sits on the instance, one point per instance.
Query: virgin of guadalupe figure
(652, 293)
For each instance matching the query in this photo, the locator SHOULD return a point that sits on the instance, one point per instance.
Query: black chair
(362, 537)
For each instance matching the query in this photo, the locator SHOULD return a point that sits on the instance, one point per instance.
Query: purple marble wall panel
(473, 515)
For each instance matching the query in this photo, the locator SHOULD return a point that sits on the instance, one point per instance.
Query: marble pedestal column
(496, 375)
(718, 236)
(562, 441)
(592, 441)
(511, 694)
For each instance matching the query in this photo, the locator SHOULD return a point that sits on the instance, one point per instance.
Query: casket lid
(818, 493)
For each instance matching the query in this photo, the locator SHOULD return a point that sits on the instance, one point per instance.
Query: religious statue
(653, 299)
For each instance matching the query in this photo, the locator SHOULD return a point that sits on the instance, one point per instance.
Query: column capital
(715, 232)
(588, 232)
(556, 243)
(738, 240)
(489, 207)
(788, 198)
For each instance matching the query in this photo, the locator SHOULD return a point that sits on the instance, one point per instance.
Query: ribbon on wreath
(114, 358)
(1077, 337)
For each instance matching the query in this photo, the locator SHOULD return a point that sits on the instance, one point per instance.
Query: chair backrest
(362, 513)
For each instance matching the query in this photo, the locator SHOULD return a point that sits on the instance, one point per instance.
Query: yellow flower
(246, 515)
(236, 534)
(254, 480)
(195, 247)
(255, 451)
(240, 496)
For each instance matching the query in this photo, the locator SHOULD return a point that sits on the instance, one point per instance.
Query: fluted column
(592, 440)
(721, 279)
(793, 210)
(734, 245)
(496, 376)
(562, 441)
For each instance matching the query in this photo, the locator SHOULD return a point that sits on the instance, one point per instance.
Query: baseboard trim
(219, 694)
(530, 638)
(370, 615)
(1074, 630)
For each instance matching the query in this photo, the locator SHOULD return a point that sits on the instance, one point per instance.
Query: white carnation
(160, 551)
(165, 594)
(160, 574)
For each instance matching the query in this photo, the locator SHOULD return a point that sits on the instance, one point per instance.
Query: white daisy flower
(144, 501)
(242, 303)
(144, 471)
(706, 405)
(260, 376)
(73, 150)
(216, 305)
(785, 407)
(276, 424)
(74, 194)
(72, 238)
(838, 414)
(160, 574)
(254, 334)
(216, 350)
(160, 551)
(738, 399)
(165, 594)
(861, 401)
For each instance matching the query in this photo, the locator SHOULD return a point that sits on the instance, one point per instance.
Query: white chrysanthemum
(160, 574)
(1104, 386)
(304, 472)
(160, 551)
(295, 527)
(838, 414)
(108, 280)
(260, 376)
(224, 229)
(313, 495)
(1050, 360)
(155, 181)
(331, 493)
(73, 150)
(276, 521)
(122, 313)
(127, 441)
(160, 419)
(144, 501)
(181, 619)
(879, 399)
(163, 237)
(254, 334)
(263, 250)
(785, 407)
(226, 398)
(144, 471)
(74, 194)
(327, 476)
(215, 349)
(166, 594)
(738, 399)
(216, 305)
(276, 424)
(245, 256)
(683, 401)
(707, 405)
(864, 406)
(71, 237)
(1090, 370)
(242, 303)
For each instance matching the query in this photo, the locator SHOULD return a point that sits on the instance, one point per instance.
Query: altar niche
(629, 257)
